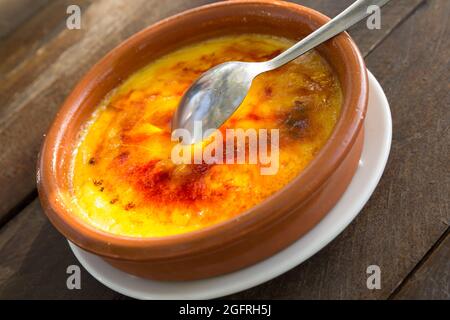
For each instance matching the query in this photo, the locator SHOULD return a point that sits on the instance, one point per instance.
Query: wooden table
(404, 228)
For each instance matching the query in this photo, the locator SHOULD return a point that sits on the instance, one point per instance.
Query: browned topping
(98, 182)
(122, 157)
(298, 121)
(268, 92)
(129, 205)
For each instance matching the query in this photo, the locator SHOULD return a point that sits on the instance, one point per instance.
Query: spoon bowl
(214, 97)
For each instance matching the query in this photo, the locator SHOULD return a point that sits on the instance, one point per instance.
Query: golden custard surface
(123, 179)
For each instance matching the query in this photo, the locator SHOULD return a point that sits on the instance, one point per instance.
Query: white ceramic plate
(377, 144)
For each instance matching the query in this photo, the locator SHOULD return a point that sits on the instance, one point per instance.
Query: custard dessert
(123, 179)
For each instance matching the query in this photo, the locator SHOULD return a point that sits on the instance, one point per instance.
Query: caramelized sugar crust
(123, 179)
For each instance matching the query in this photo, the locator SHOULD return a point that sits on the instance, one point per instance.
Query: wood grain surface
(403, 228)
(430, 279)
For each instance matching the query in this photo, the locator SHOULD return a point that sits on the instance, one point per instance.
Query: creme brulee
(123, 179)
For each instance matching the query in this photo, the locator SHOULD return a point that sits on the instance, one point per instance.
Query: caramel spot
(129, 205)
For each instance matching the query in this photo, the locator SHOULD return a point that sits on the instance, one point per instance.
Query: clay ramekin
(257, 233)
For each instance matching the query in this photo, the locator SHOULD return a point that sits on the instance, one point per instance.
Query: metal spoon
(217, 93)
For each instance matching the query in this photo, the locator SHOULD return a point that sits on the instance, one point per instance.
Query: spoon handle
(353, 14)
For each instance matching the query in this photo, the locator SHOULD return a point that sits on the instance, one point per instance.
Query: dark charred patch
(129, 206)
(297, 121)
(113, 201)
(92, 161)
(97, 182)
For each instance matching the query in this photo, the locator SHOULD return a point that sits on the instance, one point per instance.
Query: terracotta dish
(240, 240)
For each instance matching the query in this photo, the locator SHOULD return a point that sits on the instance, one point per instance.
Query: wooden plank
(407, 213)
(13, 13)
(34, 33)
(431, 281)
(34, 260)
(409, 210)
